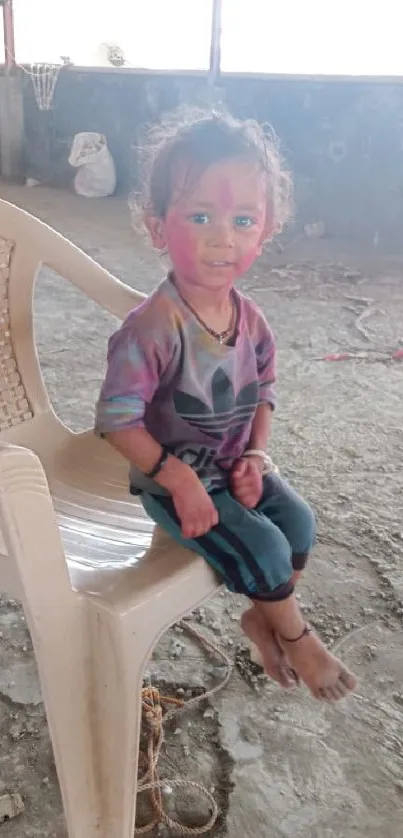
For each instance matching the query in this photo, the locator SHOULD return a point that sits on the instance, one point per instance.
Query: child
(188, 395)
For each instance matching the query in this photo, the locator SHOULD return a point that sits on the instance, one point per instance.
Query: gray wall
(343, 138)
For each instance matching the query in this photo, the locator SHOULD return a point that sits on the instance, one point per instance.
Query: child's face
(215, 230)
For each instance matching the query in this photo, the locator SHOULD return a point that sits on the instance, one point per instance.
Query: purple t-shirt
(198, 397)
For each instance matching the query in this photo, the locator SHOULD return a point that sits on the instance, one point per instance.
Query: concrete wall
(343, 138)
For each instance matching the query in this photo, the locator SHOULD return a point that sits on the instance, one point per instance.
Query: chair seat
(112, 548)
(98, 545)
(110, 543)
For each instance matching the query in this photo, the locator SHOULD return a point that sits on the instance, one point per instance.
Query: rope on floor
(156, 711)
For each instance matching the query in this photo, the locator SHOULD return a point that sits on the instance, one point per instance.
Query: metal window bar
(8, 30)
(215, 43)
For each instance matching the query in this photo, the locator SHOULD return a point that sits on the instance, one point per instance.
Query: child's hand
(247, 481)
(194, 508)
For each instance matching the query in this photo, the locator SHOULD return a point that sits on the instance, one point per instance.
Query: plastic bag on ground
(96, 176)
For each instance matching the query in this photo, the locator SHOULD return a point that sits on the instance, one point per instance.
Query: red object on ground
(341, 356)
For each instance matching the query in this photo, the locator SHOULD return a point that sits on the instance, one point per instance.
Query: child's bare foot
(325, 676)
(269, 654)
(257, 657)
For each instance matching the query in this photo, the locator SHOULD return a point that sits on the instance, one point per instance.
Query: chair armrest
(31, 533)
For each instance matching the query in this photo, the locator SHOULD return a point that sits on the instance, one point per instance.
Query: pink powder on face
(188, 245)
(247, 259)
(226, 204)
(182, 248)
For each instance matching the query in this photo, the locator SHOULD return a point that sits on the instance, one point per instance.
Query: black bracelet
(159, 465)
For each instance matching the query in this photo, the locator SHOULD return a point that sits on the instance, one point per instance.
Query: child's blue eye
(200, 218)
(243, 221)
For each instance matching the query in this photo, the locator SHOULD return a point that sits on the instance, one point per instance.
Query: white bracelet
(268, 466)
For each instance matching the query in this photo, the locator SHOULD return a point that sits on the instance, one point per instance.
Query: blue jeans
(254, 551)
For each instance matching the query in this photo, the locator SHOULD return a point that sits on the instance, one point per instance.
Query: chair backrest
(14, 405)
(25, 245)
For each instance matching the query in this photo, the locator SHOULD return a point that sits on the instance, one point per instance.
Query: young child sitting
(188, 394)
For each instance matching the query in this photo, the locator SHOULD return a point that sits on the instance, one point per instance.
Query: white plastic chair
(97, 587)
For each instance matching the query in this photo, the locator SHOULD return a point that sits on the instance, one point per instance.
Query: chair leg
(121, 645)
(56, 617)
(65, 683)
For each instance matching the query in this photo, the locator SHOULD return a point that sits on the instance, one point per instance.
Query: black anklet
(307, 630)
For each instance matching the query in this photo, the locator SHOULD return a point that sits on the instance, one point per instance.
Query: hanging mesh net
(44, 79)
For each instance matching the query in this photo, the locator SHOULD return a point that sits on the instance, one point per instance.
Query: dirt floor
(279, 764)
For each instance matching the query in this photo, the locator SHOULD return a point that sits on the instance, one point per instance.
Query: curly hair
(200, 138)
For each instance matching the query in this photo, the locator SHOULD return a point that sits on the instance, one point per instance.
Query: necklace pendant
(221, 339)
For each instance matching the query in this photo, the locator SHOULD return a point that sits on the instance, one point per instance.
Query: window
(347, 37)
(157, 34)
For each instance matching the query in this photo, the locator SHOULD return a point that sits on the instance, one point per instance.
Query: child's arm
(246, 477)
(137, 355)
(143, 451)
(193, 505)
(261, 427)
(266, 370)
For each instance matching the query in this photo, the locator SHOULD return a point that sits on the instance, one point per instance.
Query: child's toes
(338, 690)
(334, 693)
(348, 681)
